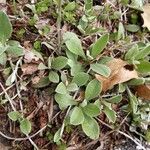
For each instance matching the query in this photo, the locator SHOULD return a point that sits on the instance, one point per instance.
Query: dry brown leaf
(35, 79)
(29, 69)
(120, 73)
(30, 57)
(146, 16)
(143, 91)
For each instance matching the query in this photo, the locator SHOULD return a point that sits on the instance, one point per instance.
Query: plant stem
(59, 25)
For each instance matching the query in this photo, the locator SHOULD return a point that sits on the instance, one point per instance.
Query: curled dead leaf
(143, 91)
(29, 69)
(146, 15)
(120, 73)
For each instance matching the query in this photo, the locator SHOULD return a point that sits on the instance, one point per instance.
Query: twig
(7, 89)
(22, 139)
(7, 96)
(59, 25)
(32, 142)
(17, 86)
(63, 125)
(129, 137)
(122, 133)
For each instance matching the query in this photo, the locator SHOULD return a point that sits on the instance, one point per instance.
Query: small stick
(9, 99)
(59, 25)
(7, 89)
(22, 139)
(122, 133)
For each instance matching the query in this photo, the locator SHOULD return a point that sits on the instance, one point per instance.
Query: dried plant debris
(143, 91)
(121, 72)
(145, 16)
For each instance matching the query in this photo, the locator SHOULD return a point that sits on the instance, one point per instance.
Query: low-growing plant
(8, 48)
(25, 124)
(73, 73)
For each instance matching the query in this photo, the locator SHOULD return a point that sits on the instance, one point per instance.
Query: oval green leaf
(115, 99)
(14, 115)
(93, 89)
(76, 116)
(143, 53)
(25, 126)
(143, 67)
(91, 110)
(73, 43)
(59, 62)
(91, 127)
(101, 69)
(99, 45)
(111, 114)
(64, 100)
(61, 88)
(53, 77)
(5, 27)
(81, 78)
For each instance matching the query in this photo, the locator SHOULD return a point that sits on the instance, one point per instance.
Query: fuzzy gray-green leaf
(93, 89)
(99, 45)
(76, 116)
(101, 69)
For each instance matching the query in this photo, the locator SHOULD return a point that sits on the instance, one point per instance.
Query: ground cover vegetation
(74, 74)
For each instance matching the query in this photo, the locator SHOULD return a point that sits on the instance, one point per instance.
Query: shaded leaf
(132, 27)
(70, 6)
(43, 82)
(15, 51)
(133, 102)
(41, 66)
(138, 81)
(57, 136)
(115, 99)
(53, 76)
(3, 59)
(2, 49)
(131, 53)
(121, 31)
